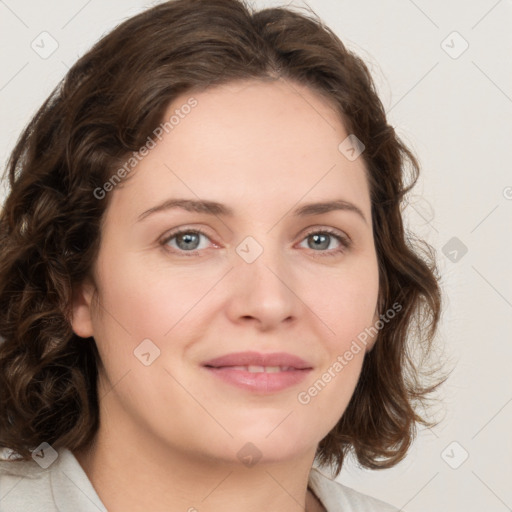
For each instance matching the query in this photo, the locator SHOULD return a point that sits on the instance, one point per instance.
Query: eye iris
(187, 238)
(323, 244)
(190, 240)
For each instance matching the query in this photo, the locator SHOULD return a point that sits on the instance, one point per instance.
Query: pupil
(185, 241)
(187, 238)
(322, 244)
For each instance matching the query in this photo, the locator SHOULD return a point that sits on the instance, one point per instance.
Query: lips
(259, 373)
(255, 359)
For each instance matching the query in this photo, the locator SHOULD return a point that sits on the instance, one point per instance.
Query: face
(261, 271)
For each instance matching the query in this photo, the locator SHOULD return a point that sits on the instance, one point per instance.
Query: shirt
(63, 486)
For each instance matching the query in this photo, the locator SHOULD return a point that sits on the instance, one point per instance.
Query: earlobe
(81, 321)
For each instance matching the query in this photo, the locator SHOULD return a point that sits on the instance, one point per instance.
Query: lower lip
(261, 382)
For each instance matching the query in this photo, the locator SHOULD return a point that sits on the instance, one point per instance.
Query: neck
(145, 477)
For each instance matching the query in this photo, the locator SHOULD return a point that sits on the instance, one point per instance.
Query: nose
(262, 291)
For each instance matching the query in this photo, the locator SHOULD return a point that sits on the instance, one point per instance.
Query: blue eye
(322, 240)
(187, 242)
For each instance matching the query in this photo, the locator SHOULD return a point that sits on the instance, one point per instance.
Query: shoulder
(53, 481)
(24, 485)
(13, 465)
(337, 497)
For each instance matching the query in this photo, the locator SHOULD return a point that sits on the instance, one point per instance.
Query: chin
(251, 445)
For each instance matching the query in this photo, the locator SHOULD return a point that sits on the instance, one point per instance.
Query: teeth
(261, 369)
(255, 369)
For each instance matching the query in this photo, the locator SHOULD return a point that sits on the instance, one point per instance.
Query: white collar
(73, 491)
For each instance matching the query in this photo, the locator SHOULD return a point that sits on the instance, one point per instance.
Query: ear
(81, 321)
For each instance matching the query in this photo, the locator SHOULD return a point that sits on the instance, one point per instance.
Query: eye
(185, 241)
(322, 239)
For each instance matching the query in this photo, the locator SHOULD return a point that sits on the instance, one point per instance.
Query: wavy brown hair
(103, 110)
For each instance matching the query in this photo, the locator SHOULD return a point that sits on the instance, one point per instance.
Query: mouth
(260, 373)
(259, 369)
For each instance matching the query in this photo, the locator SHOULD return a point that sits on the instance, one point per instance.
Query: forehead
(281, 117)
(250, 141)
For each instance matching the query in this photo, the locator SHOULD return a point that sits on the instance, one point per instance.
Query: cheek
(144, 301)
(346, 305)
(345, 302)
(143, 311)
(324, 399)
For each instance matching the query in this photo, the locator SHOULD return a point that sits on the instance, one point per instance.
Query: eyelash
(344, 241)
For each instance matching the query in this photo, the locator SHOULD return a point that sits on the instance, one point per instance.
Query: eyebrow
(215, 208)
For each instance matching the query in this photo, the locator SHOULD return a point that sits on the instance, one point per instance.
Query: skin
(170, 432)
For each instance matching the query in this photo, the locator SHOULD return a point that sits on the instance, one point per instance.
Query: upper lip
(256, 359)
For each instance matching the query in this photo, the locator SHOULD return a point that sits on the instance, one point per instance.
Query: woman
(205, 282)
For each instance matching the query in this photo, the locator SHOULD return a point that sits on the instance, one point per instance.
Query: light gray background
(456, 114)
